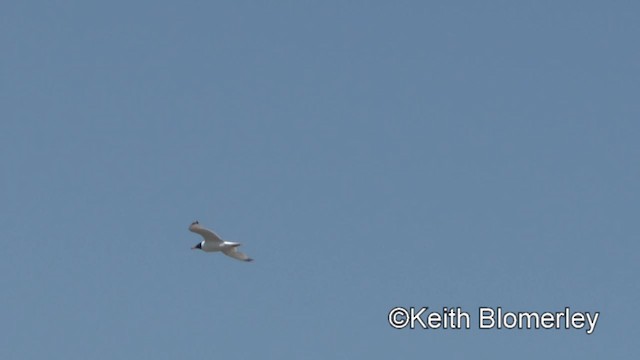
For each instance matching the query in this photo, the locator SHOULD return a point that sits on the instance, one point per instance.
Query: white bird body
(212, 243)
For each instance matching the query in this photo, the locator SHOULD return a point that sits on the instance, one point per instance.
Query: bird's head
(198, 246)
(194, 225)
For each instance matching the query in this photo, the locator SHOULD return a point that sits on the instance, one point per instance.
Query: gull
(213, 242)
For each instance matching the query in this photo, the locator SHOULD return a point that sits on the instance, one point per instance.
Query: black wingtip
(249, 260)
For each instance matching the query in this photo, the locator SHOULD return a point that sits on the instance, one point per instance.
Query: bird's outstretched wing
(234, 253)
(207, 234)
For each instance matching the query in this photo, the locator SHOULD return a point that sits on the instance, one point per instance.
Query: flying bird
(213, 242)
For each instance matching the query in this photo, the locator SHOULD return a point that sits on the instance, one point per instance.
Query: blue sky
(367, 154)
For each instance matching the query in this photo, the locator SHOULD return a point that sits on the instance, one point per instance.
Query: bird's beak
(194, 248)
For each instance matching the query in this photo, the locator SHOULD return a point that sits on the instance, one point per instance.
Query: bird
(213, 243)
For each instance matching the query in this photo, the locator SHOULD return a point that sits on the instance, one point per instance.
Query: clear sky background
(367, 154)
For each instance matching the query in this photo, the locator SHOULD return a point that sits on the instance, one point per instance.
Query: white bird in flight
(213, 242)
